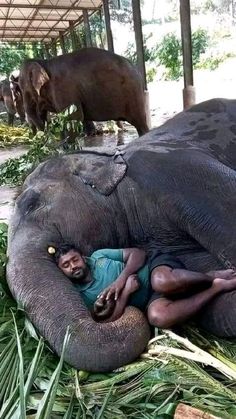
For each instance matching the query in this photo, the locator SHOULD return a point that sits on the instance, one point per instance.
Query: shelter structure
(48, 21)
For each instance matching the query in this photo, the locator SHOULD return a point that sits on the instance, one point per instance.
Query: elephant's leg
(138, 120)
(120, 125)
(10, 119)
(89, 128)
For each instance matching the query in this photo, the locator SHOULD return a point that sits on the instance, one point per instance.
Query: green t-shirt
(105, 266)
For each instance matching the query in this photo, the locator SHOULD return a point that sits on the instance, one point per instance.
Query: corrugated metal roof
(40, 20)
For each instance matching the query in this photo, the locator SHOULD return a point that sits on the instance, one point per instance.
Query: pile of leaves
(12, 136)
(34, 383)
(60, 136)
(14, 171)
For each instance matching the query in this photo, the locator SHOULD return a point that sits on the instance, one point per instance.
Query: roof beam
(49, 19)
(47, 7)
(25, 39)
(4, 24)
(71, 8)
(15, 28)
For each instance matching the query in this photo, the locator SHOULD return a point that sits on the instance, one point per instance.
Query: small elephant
(103, 86)
(12, 104)
(173, 189)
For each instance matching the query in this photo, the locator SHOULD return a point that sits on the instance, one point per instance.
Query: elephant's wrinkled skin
(103, 86)
(175, 187)
(12, 104)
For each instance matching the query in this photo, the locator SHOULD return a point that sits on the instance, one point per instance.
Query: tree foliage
(121, 10)
(12, 55)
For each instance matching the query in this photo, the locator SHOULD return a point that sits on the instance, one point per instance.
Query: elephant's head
(33, 78)
(17, 95)
(61, 202)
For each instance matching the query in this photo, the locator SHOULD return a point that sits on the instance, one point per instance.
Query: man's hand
(113, 290)
(224, 285)
(224, 274)
(132, 284)
(103, 308)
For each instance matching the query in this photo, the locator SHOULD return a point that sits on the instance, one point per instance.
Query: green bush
(151, 73)
(150, 53)
(43, 145)
(200, 40)
(169, 54)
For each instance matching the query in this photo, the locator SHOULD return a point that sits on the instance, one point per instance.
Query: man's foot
(224, 274)
(224, 285)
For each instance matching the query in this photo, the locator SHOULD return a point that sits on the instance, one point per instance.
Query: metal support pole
(87, 28)
(139, 39)
(42, 51)
(140, 54)
(62, 43)
(73, 36)
(110, 43)
(54, 47)
(185, 18)
(48, 55)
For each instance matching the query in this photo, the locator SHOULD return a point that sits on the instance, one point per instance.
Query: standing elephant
(101, 84)
(12, 104)
(175, 189)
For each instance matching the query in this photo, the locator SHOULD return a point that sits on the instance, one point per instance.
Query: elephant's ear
(38, 76)
(102, 173)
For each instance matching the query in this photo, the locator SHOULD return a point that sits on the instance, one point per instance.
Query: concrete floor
(8, 194)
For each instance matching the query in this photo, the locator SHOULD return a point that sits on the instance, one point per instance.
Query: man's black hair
(63, 249)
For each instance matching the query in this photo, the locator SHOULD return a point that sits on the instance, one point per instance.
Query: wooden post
(139, 39)
(140, 54)
(185, 18)
(62, 43)
(79, 39)
(42, 51)
(73, 36)
(87, 28)
(46, 46)
(110, 43)
(54, 47)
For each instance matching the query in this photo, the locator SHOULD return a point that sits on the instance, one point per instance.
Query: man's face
(73, 265)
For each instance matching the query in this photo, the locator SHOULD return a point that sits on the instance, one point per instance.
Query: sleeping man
(111, 279)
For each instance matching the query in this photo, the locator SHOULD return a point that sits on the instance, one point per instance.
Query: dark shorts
(154, 296)
(157, 259)
(164, 259)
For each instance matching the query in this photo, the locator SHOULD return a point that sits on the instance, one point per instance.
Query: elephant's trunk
(53, 304)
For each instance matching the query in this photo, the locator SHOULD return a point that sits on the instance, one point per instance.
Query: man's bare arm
(134, 260)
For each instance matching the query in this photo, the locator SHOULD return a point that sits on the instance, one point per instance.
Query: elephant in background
(13, 104)
(104, 86)
(174, 188)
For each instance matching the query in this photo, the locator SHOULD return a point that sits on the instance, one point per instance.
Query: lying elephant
(103, 86)
(12, 106)
(174, 188)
